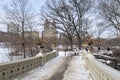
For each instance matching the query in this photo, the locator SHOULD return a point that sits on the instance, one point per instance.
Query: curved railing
(9, 70)
(98, 70)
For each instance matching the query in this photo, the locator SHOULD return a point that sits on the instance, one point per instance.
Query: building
(49, 35)
(49, 29)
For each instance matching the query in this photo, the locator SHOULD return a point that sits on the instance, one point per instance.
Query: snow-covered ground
(4, 55)
(101, 52)
(104, 53)
(45, 72)
(67, 53)
(75, 71)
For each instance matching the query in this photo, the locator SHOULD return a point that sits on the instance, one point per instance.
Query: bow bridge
(96, 69)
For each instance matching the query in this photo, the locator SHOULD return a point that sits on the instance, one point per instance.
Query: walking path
(45, 72)
(76, 70)
(60, 68)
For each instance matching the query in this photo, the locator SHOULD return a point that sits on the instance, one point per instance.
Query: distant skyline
(36, 4)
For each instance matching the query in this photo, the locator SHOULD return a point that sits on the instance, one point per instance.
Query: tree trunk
(71, 43)
(79, 41)
(23, 37)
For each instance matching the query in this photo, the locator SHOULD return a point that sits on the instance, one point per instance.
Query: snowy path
(45, 72)
(60, 68)
(76, 70)
(60, 73)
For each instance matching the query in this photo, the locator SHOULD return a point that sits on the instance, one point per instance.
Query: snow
(4, 55)
(40, 54)
(61, 53)
(45, 72)
(101, 52)
(76, 70)
(67, 53)
(108, 61)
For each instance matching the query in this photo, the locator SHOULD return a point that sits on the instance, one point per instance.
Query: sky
(36, 4)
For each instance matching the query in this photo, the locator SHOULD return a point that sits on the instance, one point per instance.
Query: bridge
(83, 67)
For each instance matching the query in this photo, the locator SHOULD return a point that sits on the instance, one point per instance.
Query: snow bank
(4, 55)
(76, 70)
(39, 54)
(67, 53)
(45, 72)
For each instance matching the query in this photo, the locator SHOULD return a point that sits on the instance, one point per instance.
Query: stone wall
(9, 70)
(98, 70)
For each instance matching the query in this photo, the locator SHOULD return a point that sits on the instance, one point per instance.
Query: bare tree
(19, 12)
(110, 13)
(101, 27)
(60, 12)
(70, 17)
(80, 22)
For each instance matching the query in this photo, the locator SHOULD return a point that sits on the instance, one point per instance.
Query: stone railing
(98, 70)
(9, 70)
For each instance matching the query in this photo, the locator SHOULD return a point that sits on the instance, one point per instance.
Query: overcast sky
(36, 4)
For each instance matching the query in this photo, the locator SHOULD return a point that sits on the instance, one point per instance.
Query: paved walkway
(76, 70)
(60, 68)
(45, 72)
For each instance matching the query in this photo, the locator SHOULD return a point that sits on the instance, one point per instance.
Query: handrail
(98, 70)
(9, 70)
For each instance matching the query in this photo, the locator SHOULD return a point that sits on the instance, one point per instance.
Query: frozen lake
(4, 55)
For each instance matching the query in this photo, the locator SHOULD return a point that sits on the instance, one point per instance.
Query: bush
(39, 42)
